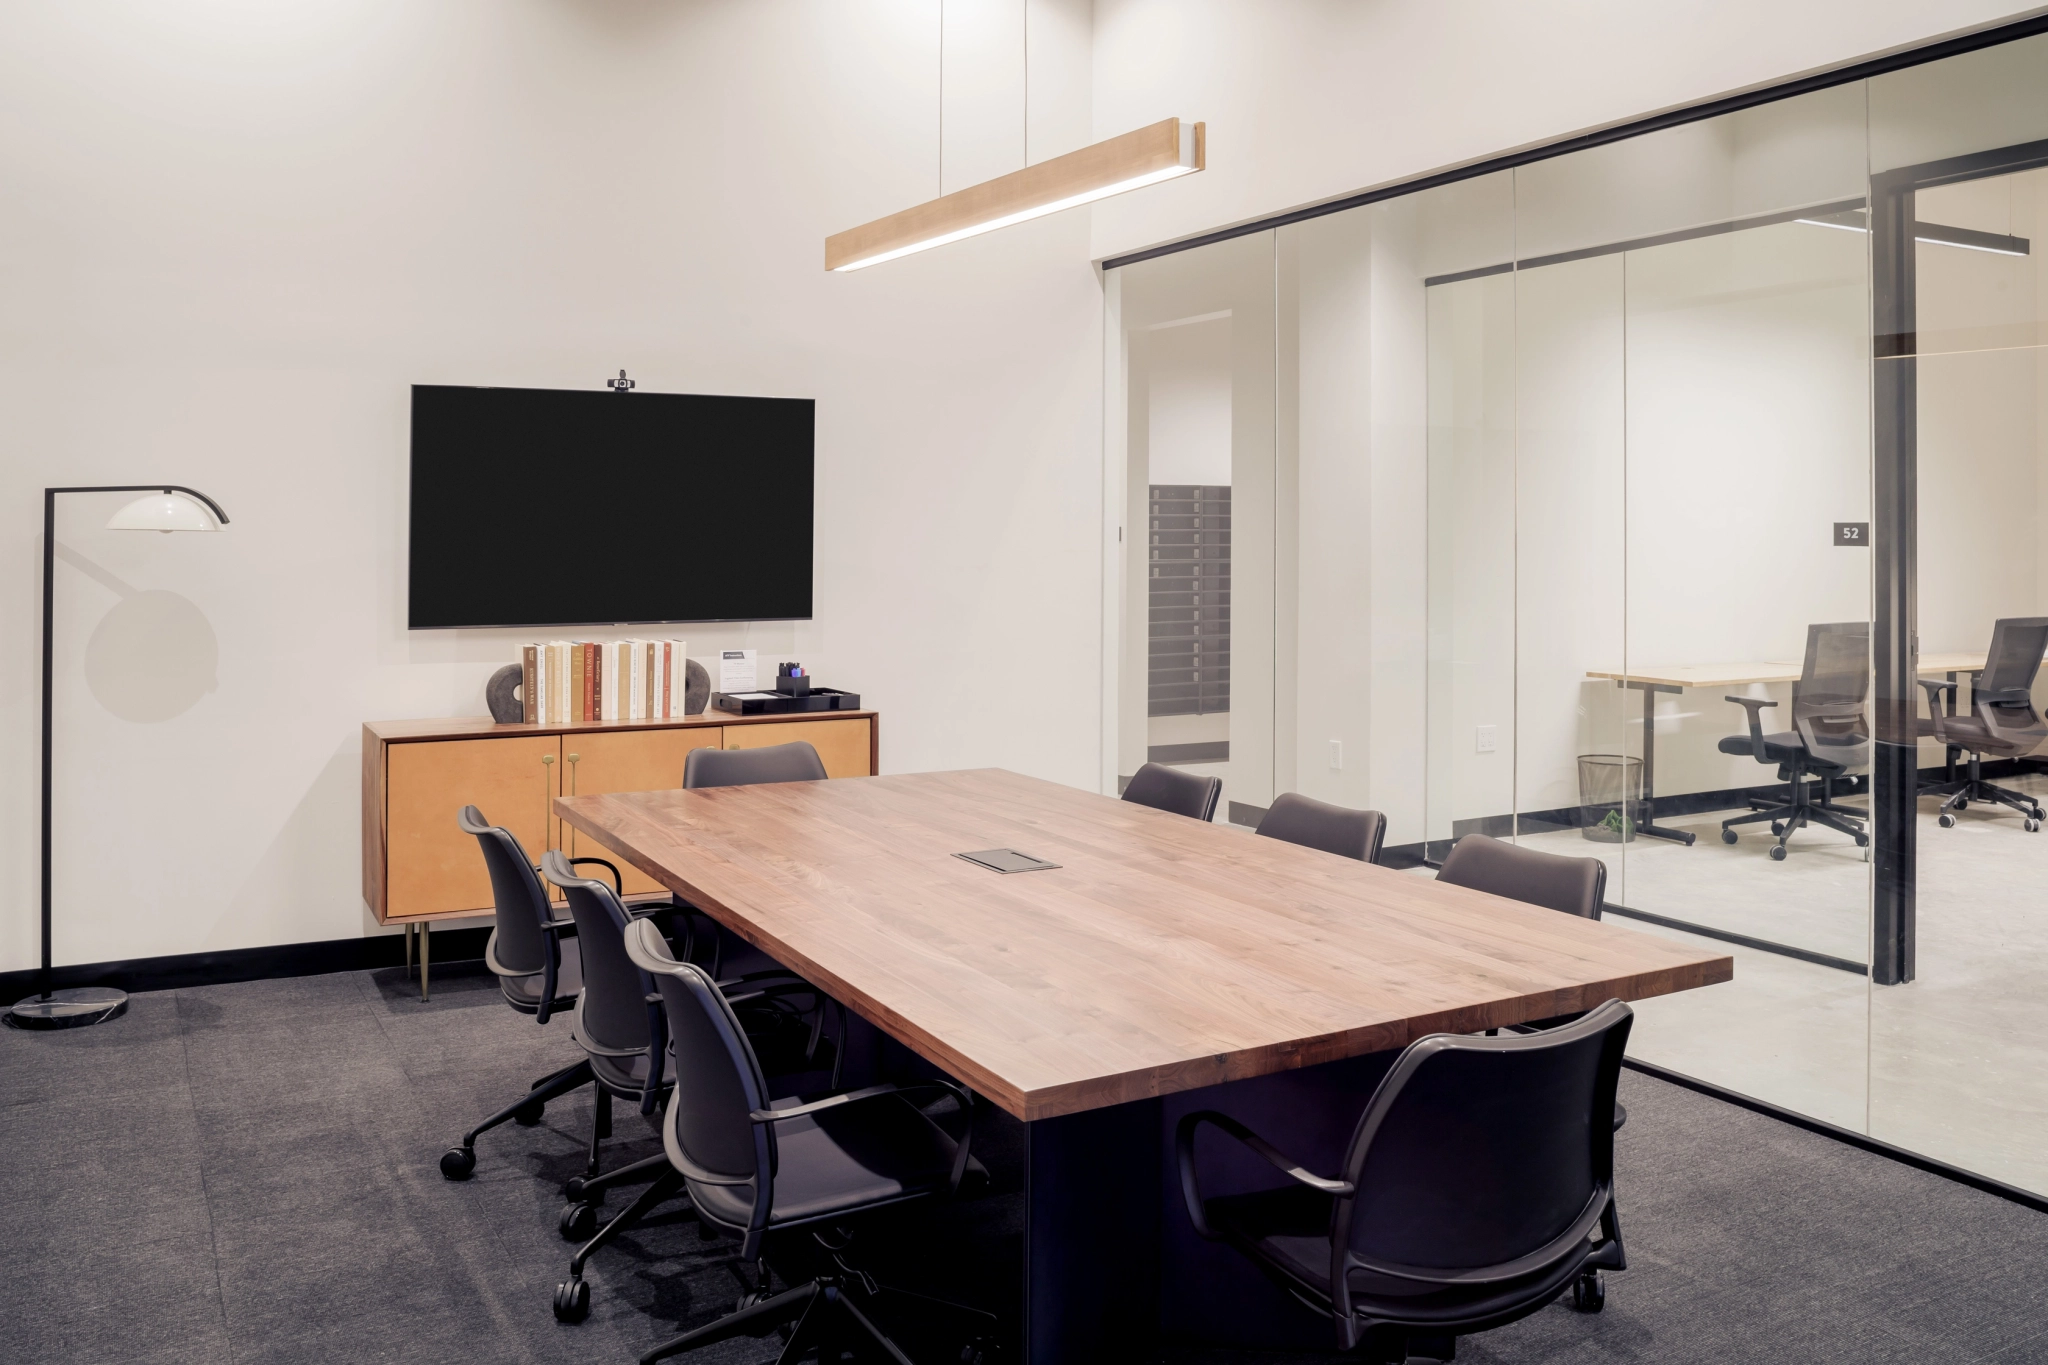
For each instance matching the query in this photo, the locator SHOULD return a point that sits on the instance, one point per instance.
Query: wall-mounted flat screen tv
(558, 507)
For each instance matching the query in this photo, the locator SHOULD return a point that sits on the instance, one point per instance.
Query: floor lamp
(169, 508)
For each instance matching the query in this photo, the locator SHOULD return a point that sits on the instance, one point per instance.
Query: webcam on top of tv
(619, 385)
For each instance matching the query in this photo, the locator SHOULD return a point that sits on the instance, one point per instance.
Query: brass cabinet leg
(424, 936)
(408, 950)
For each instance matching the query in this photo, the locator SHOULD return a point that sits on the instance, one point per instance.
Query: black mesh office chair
(1478, 1186)
(758, 1168)
(2002, 721)
(1164, 788)
(1829, 738)
(795, 761)
(1577, 886)
(1317, 824)
(534, 956)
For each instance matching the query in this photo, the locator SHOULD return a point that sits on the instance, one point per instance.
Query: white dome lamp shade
(166, 507)
(174, 509)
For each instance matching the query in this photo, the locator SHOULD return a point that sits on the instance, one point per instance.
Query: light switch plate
(1486, 740)
(1337, 754)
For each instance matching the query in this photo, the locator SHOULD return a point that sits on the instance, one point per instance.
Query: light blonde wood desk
(1166, 962)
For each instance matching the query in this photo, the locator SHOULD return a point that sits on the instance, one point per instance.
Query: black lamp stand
(47, 1008)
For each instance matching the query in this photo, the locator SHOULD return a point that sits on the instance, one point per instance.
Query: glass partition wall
(1678, 502)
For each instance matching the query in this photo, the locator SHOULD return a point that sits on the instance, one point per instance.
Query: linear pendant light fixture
(1163, 151)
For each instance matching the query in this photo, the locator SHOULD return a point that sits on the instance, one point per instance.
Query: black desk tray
(780, 704)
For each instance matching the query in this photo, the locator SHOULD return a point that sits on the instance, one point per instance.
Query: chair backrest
(1476, 1152)
(1577, 886)
(2006, 686)
(1828, 700)
(612, 1011)
(718, 1078)
(795, 761)
(1317, 824)
(1164, 788)
(518, 900)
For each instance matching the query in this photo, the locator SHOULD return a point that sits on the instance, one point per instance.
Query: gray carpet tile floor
(247, 1173)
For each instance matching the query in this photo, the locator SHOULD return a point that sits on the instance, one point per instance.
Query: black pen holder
(793, 687)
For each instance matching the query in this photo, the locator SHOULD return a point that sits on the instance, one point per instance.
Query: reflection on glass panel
(1693, 350)
(1194, 687)
(1956, 1050)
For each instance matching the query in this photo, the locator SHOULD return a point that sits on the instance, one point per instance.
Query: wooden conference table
(1165, 965)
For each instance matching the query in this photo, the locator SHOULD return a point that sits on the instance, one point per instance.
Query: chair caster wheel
(1945, 820)
(572, 1301)
(457, 1163)
(572, 1189)
(2030, 825)
(1863, 841)
(1589, 1292)
(578, 1222)
(527, 1115)
(1962, 805)
(1777, 853)
(1777, 829)
(1728, 836)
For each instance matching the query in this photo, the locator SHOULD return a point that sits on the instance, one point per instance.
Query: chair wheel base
(457, 1163)
(1728, 836)
(2031, 825)
(1589, 1292)
(1945, 820)
(572, 1189)
(572, 1301)
(578, 1222)
(1777, 853)
(527, 1115)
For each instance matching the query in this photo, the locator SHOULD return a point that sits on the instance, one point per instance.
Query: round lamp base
(69, 1009)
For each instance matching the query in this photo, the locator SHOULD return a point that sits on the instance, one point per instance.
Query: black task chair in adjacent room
(534, 956)
(1829, 738)
(758, 1169)
(1311, 823)
(1577, 886)
(1170, 789)
(1477, 1187)
(619, 1025)
(2002, 723)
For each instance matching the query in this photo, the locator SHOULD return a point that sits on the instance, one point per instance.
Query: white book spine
(615, 653)
(679, 675)
(636, 701)
(540, 682)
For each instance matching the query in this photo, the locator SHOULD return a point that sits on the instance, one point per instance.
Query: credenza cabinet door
(625, 761)
(842, 744)
(435, 868)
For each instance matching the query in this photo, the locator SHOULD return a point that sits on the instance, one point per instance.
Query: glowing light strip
(1931, 241)
(1147, 156)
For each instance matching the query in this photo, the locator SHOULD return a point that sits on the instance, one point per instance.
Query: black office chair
(1830, 736)
(619, 1025)
(758, 1168)
(2002, 721)
(795, 761)
(1478, 1186)
(534, 956)
(1170, 789)
(1577, 886)
(1311, 823)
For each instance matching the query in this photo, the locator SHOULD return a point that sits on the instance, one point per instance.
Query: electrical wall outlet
(1486, 742)
(1337, 754)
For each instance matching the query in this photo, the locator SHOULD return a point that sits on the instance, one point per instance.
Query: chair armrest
(958, 1093)
(1754, 706)
(618, 886)
(1184, 1150)
(1934, 687)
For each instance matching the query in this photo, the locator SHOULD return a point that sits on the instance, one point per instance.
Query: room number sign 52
(1852, 533)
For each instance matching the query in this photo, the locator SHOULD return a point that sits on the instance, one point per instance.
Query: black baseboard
(448, 946)
(1849, 1136)
(1818, 959)
(1211, 751)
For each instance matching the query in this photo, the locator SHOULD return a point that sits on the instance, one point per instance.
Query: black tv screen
(557, 507)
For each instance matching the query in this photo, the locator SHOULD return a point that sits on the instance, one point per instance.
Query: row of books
(566, 681)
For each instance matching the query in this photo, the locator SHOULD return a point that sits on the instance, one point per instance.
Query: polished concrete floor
(1953, 1064)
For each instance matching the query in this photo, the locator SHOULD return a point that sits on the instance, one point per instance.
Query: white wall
(1308, 100)
(234, 234)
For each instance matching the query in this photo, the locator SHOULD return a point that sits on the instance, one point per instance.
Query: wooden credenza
(418, 866)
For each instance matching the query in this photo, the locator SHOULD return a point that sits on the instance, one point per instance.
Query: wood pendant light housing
(1161, 151)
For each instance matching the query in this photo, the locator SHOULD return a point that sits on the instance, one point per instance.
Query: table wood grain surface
(1163, 954)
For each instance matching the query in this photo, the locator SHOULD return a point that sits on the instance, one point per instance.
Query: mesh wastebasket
(1610, 790)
